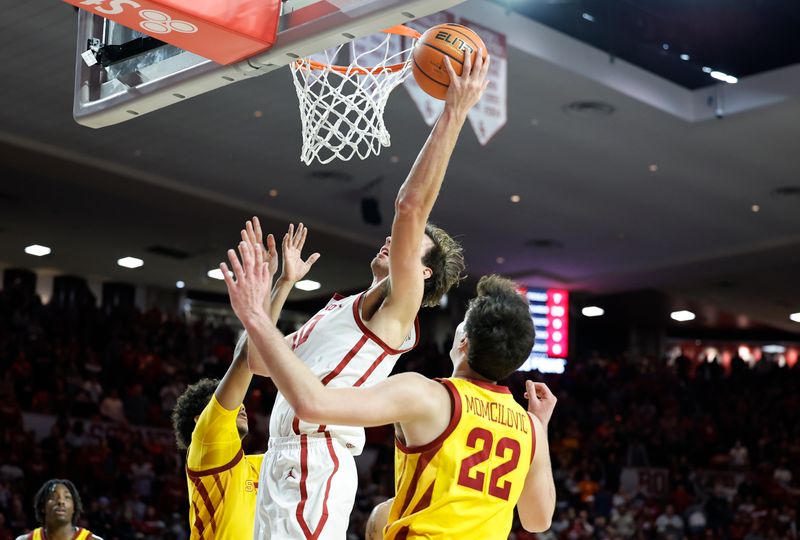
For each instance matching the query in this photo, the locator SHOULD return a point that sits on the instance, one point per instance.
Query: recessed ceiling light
(216, 273)
(755, 208)
(795, 317)
(665, 46)
(592, 311)
(515, 198)
(307, 285)
(724, 77)
(180, 284)
(682, 315)
(500, 260)
(130, 262)
(273, 193)
(684, 57)
(37, 250)
(587, 17)
(653, 167)
(707, 69)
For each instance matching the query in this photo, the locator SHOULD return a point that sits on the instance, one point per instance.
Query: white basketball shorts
(306, 489)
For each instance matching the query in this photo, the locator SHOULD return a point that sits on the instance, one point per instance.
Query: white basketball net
(341, 107)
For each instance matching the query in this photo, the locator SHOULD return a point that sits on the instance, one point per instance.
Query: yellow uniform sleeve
(215, 439)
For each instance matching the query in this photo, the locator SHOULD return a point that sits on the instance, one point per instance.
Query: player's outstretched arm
(294, 269)
(378, 519)
(421, 188)
(232, 389)
(538, 500)
(404, 397)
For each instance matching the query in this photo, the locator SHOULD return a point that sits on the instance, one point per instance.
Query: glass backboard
(121, 74)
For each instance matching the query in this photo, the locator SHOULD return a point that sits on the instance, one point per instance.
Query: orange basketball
(453, 40)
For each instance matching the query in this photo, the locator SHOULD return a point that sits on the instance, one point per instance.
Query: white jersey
(339, 348)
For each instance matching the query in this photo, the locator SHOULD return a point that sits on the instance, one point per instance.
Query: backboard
(137, 74)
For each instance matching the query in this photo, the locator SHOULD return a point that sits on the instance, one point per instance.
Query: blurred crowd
(642, 448)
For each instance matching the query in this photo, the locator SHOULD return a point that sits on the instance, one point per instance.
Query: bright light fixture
(515, 198)
(795, 317)
(682, 315)
(724, 77)
(307, 285)
(180, 284)
(707, 69)
(592, 311)
(130, 262)
(37, 250)
(216, 273)
(587, 17)
(684, 57)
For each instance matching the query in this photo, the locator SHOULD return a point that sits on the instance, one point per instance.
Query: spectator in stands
(669, 524)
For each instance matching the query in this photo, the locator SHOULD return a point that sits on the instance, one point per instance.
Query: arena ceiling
(659, 193)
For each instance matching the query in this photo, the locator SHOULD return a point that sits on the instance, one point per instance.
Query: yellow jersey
(39, 534)
(222, 481)
(466, 483)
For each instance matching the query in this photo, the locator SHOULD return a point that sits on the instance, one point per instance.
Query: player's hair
(40, 499)
(499, 329)
(446, 261)
(190, 404)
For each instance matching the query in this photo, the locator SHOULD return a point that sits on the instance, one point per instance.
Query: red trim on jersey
(425, 501)
(216, 470)
(336, 297)
(489, 386)
(198, 525)
(533, 437)
(363, 327)
(402, 534)
(332, 375)
(455, 417)
(369, 371)
(422, 464)
(220, 487)
(77, 534)
(201, 489)
(304, 490)
(346, 360)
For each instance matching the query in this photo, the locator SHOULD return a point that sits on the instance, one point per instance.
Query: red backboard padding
(224, 31)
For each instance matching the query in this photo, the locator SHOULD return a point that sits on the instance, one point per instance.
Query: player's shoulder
(24, 536)
(95, 537)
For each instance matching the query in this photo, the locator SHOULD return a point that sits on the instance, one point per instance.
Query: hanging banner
(429, 107)
(489, 115)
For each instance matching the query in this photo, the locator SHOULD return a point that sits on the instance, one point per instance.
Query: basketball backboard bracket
(165, 75)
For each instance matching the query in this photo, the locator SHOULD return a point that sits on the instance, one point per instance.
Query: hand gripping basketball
(453, 43)
(466, 90)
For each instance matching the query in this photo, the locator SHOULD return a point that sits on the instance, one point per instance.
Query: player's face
(241, 422)
(380, 263)
(59, 506)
